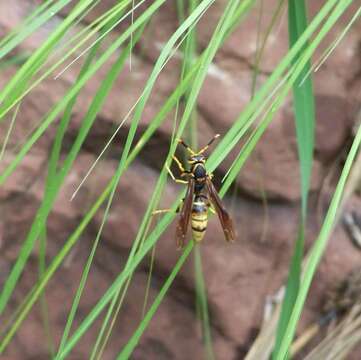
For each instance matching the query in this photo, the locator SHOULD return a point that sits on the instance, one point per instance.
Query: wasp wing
(225, 219)
(185, 215)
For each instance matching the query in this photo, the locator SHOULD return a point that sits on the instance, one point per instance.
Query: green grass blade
(318, 249)
(287, 334)
(245, 153)
(219, 34)
(51, 182)
(119, 295)
(338, 11)
(140, 106)
(8, 133)
(256, 105)
(105, 331)
(47, 205)
(59, 258)
(43, 302)
(330, 21)
(21, 78)
(38, 10)
(202, 304)
(76, 87)
(304, 103)
(304, 110)
(334, 44)
(34, 22)
(132, 343)
(22, 86)
(292, 289)
(259, 53)
(149, 281)
(119, 281)
(189, 54)
(103, 92)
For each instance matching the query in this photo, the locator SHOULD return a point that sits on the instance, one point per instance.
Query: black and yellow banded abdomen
(199, 217)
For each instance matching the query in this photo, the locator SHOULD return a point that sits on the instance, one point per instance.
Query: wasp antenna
(214, 138)
(209, 144)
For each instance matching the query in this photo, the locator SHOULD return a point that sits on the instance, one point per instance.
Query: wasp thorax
(199, 171)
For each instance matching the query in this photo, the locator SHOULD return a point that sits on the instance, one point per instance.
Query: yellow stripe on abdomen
(199, 225)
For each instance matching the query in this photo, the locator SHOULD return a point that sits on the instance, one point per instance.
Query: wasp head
(198, 158)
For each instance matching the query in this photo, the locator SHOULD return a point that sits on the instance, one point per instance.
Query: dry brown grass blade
(344, 302)
(341, 339)
(263, 345)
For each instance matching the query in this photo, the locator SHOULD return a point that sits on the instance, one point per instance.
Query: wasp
(200, 197)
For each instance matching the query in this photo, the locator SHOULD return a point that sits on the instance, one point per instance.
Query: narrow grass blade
(104, 91)
(46, 206)
(202, 304)
(76, 87)
(318, 249)
(38, 10)
(22, 76)
(189, 52)
(140, 106)
(284, 335)
(35, 21)
(132, 343)
(7, 136)
(304, 111)
(256, 105)
(22, 86)
(304, 103)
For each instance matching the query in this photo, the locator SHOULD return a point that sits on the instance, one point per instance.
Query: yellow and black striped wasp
(201, 195)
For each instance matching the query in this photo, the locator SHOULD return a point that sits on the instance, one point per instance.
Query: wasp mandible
(201, 195)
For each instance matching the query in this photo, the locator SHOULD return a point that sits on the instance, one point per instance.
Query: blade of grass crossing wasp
(140, 106)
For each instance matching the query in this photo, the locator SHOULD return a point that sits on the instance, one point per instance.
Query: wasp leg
(179, 181)
(180, 141)
(201, 151)
(180, 165)
(162, 211)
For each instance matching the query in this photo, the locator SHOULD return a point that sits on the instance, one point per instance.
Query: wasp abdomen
(199, 218)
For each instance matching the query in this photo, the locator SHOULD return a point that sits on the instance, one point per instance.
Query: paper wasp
(201, 195)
